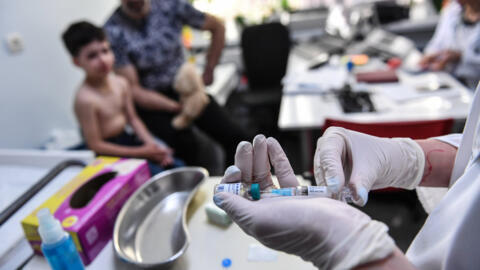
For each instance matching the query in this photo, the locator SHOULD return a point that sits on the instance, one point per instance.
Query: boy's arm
(87, 117)
(148, 99)
(132, 117)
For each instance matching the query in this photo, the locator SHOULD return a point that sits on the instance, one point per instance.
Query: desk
(209, 245)
(304, 112)
(307, 111)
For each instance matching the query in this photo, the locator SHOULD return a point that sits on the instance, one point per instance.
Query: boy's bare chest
(111, 104)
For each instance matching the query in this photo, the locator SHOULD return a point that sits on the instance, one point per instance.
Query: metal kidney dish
(150, 230)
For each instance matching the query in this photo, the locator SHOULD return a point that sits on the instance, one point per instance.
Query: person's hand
(362, 162)
(167, 156)
(427, 60)
(444, 59)
(173, 106)
(157, 153)
(207, 76)
(167, 161)
(252, 164)
(440, 60)
(327, 232)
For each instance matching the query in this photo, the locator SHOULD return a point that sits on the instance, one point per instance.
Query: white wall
(37, 85)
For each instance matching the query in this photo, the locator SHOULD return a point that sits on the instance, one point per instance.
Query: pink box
(88, 205)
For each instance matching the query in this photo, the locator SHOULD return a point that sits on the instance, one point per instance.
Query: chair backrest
(265, 51)
(411, 129)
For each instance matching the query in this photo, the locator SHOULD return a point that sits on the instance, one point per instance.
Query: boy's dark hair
(80, 34)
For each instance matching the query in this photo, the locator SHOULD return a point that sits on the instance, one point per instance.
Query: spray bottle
(57, 245)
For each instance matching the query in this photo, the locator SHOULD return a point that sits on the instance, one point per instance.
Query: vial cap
(255, 191)
(226, 262)
(350, 65)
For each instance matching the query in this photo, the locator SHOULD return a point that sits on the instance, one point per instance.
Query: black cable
(27, 195)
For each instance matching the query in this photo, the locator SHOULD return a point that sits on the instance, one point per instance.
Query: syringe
(253, 192)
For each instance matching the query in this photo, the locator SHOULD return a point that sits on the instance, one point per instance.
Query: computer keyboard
(355, 101)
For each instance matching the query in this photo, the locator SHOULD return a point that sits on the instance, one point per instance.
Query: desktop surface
(404, 100)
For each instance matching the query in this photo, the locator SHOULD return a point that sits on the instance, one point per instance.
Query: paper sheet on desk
(404, 92)
(314, 81)
(414, 87)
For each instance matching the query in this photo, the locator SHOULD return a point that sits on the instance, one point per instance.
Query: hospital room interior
(239, 134)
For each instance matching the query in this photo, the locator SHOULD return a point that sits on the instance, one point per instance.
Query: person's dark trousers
(219, 125)
(183, 141)
(214, 121)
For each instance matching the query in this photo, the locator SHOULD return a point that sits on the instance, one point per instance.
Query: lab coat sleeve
(463, 253)
(449, 238)
(452, 139)
(429, 197)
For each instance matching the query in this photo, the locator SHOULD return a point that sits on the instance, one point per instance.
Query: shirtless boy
(104, 105)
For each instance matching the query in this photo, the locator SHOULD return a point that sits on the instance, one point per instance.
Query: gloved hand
(329, 233)
(363, 162)
(252, 164)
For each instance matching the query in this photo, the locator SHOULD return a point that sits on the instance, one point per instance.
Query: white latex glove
(363, 162)
(252, 164)
(329, 233)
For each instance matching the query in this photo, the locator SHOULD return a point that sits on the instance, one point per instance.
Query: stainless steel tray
(150, 230)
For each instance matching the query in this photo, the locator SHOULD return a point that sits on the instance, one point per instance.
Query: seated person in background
(455, 46)
(146, 38)
(104, 105)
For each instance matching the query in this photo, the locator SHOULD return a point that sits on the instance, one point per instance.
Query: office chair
(265, 52)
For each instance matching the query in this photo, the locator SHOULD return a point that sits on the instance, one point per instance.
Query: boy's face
(96, 59)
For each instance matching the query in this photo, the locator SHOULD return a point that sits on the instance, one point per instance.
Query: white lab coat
(450, 237)
(452, 34)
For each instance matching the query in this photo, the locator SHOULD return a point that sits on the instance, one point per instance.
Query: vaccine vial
(240, 189)
(253, 192)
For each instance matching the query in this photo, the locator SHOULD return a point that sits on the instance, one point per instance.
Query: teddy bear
(193, 98)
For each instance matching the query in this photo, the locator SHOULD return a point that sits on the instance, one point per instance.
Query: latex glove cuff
(413, 169)
(368, 244)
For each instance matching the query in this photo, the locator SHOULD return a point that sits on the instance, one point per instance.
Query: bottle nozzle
(49, 227)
